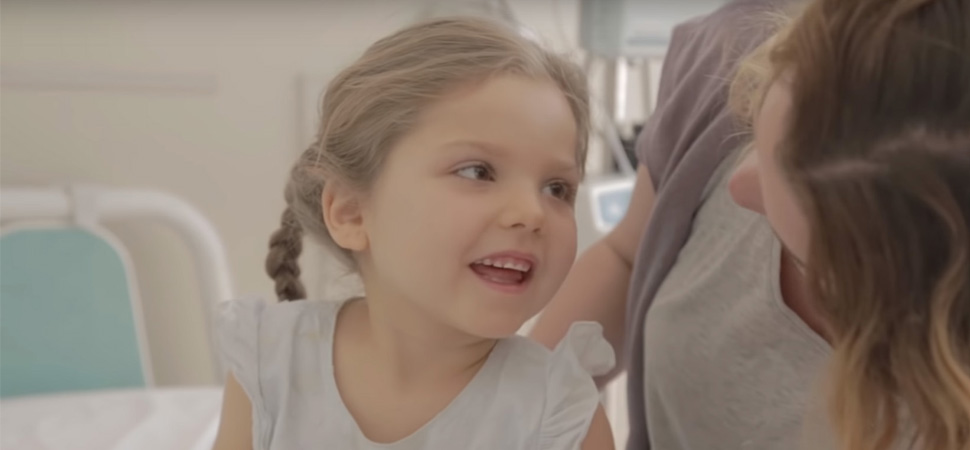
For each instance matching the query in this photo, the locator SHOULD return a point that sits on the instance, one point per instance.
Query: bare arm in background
(596, 288)
(236, 423)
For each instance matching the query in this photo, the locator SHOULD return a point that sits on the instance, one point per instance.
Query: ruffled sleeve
(236, 325)
(571, 394)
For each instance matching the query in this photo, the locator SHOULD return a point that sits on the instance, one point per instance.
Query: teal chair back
(69, 316)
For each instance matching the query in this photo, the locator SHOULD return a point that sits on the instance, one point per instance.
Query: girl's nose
(524, 210)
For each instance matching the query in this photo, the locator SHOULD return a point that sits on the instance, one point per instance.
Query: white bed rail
(84, 204)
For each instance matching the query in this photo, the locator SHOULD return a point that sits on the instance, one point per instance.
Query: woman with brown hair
(861, 120)
(861, 273)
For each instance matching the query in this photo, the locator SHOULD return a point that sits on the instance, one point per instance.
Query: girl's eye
(561, 190)
(479, 172)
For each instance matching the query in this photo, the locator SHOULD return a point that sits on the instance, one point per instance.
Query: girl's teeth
(506, 265)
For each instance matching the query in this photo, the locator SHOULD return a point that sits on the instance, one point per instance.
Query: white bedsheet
(145, 419)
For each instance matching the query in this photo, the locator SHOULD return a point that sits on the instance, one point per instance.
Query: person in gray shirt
(846, 266)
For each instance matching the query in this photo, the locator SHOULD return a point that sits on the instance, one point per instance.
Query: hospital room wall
(210, 101)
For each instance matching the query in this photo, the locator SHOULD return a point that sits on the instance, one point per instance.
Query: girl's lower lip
(505, 288)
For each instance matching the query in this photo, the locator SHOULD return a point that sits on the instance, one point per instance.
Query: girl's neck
(410, 347)
(390, 357)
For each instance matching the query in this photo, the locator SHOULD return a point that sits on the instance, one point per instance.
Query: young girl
(444, 171)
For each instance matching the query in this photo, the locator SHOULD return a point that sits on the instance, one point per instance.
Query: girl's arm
(600, 435)
(596, 287)
(236, 425)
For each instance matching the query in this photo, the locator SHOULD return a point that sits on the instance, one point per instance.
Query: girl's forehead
(504, 112)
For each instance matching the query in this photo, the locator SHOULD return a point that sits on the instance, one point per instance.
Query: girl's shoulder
(583, 352)
(258, 314)
(562, 377)
(276, 351)
(253, 334)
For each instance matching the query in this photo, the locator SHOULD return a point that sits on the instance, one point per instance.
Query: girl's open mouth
(507, 272)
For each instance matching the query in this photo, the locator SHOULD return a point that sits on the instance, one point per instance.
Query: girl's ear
(343, 216)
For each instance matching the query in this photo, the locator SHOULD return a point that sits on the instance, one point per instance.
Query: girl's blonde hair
(878, 152)
(370, 105)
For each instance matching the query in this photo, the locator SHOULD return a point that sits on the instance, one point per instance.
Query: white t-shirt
(523, 397)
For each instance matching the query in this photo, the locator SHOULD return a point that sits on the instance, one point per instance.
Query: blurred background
(210, 102)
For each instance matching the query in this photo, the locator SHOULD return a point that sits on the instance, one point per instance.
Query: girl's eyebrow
(559, 165)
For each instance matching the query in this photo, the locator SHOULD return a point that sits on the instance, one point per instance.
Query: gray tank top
(722, 348)
(727, 365)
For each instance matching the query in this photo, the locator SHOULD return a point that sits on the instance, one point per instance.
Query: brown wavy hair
(375, 101)
(878, 152)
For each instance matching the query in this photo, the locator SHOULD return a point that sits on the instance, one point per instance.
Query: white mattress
(146, 419)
